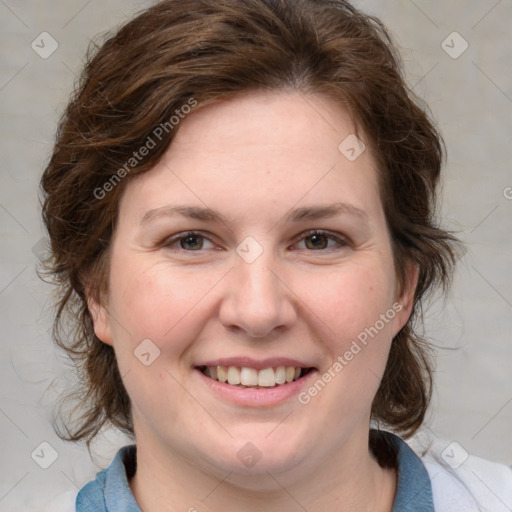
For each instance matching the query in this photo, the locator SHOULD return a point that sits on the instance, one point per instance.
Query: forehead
(275, 121)
(261, 148)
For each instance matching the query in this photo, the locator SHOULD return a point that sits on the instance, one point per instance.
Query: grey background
(470, 96)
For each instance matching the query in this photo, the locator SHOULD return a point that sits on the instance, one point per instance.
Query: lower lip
(257, 397)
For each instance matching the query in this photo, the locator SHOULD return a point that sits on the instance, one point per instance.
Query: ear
(405, 301)
(100, 318)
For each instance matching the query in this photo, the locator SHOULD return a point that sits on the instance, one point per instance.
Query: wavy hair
(208, 49)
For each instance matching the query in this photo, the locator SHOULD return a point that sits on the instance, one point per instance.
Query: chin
(250, 458)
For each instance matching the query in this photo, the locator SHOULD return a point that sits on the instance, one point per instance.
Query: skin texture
(253, 159)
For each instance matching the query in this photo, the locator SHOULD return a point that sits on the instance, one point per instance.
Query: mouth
(247, 377)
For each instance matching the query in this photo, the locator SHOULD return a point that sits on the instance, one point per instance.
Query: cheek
(351, 300)
(157, 302)
(355, 325)
(156, 312)
(356, 320)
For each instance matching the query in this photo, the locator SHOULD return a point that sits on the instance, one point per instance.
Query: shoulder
(463, 482)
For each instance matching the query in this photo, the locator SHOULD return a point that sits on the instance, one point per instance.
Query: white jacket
(461, 484)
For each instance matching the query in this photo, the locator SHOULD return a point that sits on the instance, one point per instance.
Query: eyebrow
(294, 215)
(322, 212)
(192, 212)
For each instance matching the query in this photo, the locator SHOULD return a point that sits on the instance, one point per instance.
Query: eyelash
(339, 240)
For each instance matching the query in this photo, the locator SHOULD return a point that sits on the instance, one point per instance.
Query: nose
(257, 300)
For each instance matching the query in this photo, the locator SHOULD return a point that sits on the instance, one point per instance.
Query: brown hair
(208, 49)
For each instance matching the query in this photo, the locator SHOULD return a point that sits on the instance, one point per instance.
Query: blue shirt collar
(414, 491)
(110, 491)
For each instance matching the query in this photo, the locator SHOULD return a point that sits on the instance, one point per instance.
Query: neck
(349, 480)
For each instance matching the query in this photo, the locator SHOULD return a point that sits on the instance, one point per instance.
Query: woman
(241, 207)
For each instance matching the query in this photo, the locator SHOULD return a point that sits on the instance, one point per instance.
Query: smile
(246, 377)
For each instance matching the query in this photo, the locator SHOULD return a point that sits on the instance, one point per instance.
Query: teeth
(222, 373)
(233, 375)
(280, 375)
(267, 378)
(249, 376)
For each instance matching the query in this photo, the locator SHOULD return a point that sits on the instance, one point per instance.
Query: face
(257, 252)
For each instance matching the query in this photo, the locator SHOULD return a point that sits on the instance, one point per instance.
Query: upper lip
(247, 362)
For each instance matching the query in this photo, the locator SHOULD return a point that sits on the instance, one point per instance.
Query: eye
(191, 241)
(321, 240)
